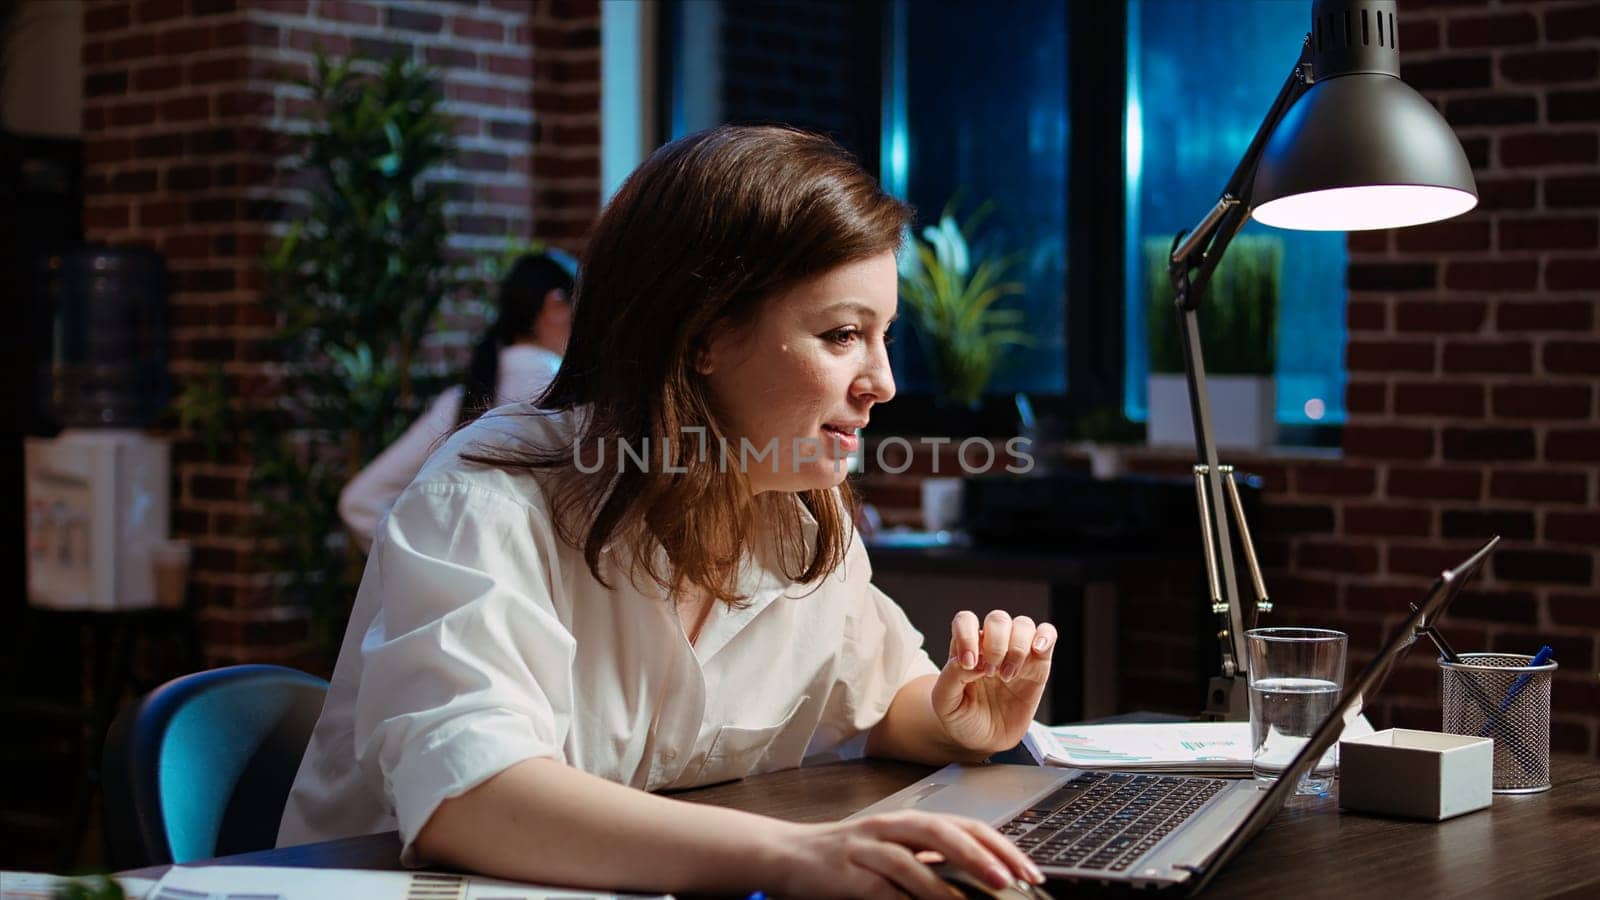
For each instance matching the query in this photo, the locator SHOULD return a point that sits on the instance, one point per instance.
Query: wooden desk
(1522, 848)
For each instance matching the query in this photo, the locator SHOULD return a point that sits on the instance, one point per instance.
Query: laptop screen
(1350, 705)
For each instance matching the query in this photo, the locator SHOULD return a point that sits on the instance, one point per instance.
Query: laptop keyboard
(1107, 820)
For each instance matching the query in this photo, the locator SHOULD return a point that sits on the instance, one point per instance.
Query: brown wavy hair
(698, 238)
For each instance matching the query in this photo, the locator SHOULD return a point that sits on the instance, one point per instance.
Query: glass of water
(1295, 678)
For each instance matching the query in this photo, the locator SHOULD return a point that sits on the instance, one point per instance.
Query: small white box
(1416, 774)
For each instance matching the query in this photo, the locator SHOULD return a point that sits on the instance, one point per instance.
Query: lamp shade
(1360, 149)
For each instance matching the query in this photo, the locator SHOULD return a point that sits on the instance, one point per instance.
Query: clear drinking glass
(1295, 678)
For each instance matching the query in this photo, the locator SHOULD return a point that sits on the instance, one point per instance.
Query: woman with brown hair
(648, 578)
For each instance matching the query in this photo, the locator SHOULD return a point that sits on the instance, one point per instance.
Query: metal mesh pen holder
(1500, 696)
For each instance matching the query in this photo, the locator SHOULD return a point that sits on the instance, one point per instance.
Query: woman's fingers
(996, 640)
(903, 873)
(1018, 648)
(963, 842)
(964, 646)
(1002, 646)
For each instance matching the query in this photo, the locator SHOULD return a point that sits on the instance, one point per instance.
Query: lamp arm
(1194, 257)
(1198, 251)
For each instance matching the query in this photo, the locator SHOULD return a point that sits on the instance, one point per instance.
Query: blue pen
(1539, 659)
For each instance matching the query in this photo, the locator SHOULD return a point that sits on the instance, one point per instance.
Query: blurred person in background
(516, 360)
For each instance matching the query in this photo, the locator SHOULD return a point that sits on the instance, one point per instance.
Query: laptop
(1155, 832)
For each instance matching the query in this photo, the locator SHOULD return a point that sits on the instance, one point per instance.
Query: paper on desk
(40, 886)
(281, 883)
(1187, 748)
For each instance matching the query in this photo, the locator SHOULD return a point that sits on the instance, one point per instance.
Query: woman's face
(793, 388)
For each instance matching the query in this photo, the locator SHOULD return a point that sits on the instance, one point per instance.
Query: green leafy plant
(355, 284)
(1107, 425)
(953, 299)
(1238, 315)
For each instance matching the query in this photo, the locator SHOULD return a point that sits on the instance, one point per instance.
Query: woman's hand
(989, 690)
(887, 855)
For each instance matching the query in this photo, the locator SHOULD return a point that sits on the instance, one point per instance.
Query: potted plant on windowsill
(952, 292)
(1238, 335)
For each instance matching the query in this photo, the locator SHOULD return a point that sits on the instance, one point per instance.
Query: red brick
(1440, 316)
(107, 17)
(1550, 66)
(1493, 31)
(158, 10)
(185, 109)
(1572, 274)
(1417, 35)
(157, 78)
(451, 58)
(214, 71)
(160, 214)
(1543, 401)
(1548, 566)
(1512, 524)
(1575, 190)
(1363, 355)
(159, 146)
(1506, 193)
(1473, 357)
(131, 48)
(1573, 106)
(1388, 521)
(1582, 610)
(1541, 315)
(1492, 275)
(1549, 149)
(1487, 444)
(1572, 527)
(313, 41)
(1367, 397)
(1540, 486)
(1337, 480)
(105, 218)
(1387, 442)
(1434, 483)
(1366, 315)
(1566, 233)
(132, 114)
(1452, 73)
(1425, 561)
(1572, 357)
(477, 29)
(1450, 235)
(105, 84)
(1336, 556)
(1572, 445)
(179, 42)
(1365, 276)
(1375, 241)
(1492, 109)
(1439, 399)
(1563, 22)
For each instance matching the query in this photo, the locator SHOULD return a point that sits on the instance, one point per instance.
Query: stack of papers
(1213, 749)
(275, 883)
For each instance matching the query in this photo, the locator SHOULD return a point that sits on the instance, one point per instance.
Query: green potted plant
(355, 284)
(1238, 337)
(952, 293)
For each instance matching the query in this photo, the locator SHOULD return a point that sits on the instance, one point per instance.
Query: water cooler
(97, 493)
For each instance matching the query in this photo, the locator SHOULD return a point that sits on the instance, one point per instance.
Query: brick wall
(186, 120)
(1474, 363)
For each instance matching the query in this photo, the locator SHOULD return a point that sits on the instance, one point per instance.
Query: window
(1201, 76)
(1023, 103)
(976, 109)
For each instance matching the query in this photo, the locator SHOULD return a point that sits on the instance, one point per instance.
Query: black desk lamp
(1346, 146)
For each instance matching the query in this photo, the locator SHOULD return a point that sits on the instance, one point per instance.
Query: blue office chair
(202, 765)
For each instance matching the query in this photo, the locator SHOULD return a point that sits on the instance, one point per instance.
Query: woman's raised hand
(990, 687)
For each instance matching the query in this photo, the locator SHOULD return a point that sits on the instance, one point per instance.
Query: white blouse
(480, 639)
(525, 371)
